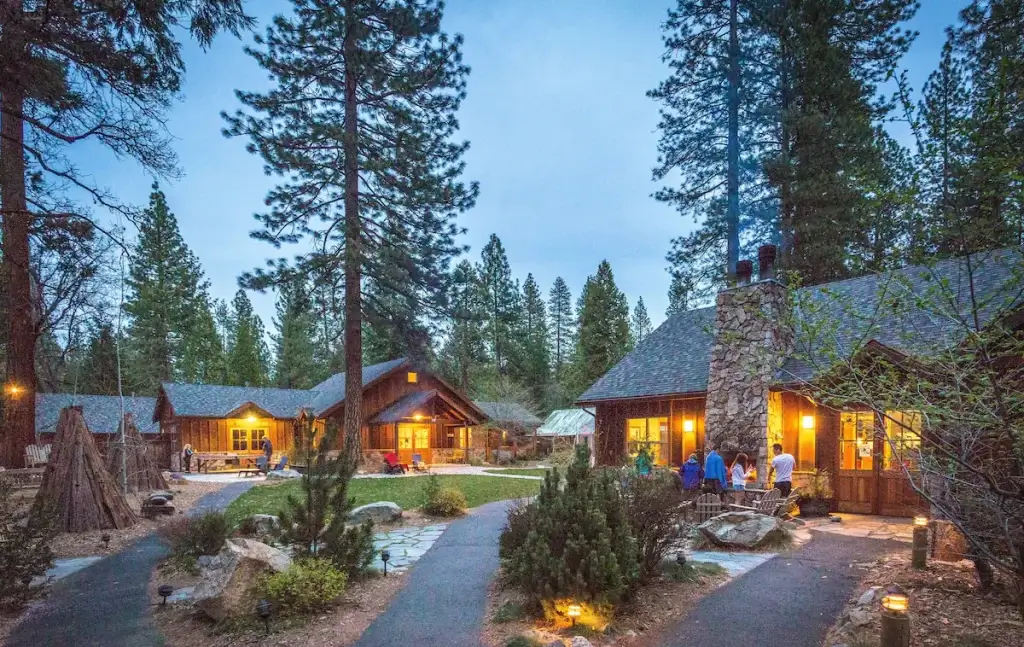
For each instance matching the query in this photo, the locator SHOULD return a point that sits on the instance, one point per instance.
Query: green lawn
(406, 492)
(528, 471)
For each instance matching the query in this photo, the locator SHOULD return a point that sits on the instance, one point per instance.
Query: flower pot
(814, 507)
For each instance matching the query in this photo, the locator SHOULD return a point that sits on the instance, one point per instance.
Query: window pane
(805, 450)
(856, 440)
(422, 437)
(239, 440)
(404, 437)
(903, 442)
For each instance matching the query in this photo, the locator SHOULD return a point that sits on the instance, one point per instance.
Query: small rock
(261, 524)
(580, 641)
(204, 561)
(283, 474)
(378, 512)
(555, 643)
(868, 597)
(861, 617)
(630, 634)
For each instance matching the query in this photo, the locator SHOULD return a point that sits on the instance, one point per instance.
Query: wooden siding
(214, 434)
(610, 427)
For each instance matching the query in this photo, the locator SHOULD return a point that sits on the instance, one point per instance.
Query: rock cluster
(862, 612)
(225, 581)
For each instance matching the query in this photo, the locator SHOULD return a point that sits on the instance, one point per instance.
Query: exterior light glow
(895, 600)
(920, 520)
(418, 417)
(13, 389)
(412, 378)
(574, 611)
(807, 422)
(250, 418)
(688, 426)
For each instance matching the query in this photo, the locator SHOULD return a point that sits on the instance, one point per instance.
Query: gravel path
(106, 605)
(444, 601)
(790, 600)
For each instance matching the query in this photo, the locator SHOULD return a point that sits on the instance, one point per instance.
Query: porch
(426, 424)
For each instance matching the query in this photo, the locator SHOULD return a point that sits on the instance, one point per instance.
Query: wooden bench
(24, 478)
(37, 455)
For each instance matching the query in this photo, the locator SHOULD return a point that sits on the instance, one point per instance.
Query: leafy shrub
(308, 586)
(509, 612)
(191, 537)
(442, 501)
(562, 456)
(579, 543)
(25, 552)
(656, 522)
(818, 486)
(315, 524)
(517, 528)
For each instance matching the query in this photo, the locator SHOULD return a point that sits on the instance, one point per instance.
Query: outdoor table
(202, 458)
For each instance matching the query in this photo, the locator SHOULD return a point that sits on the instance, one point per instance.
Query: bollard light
(165, 591)
(385, 556)
(263, 611)
(895, 618)
(105, 538)
(920, 520)
(574, 612)
(919, 550)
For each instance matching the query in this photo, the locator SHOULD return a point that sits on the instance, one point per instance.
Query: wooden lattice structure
(76, 484)
(130, 463)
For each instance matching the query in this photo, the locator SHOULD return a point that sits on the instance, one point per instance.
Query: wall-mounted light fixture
(807, 422)
(688, 426)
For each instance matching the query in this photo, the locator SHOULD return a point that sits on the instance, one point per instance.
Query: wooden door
(898, 454)
(414, 439)
(856, 481)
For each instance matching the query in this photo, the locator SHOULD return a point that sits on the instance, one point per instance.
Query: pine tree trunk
(19, 407)
(353, 251)
(732, 216)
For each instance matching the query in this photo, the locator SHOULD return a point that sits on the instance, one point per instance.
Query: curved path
(106, 604)
(445, 599)
(790, 600)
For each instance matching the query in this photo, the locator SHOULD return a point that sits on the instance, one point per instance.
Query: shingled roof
(675, 358)
(508, 413)
(216, 401)
(102, 412)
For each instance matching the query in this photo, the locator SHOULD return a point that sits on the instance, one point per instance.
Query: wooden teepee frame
(136, 469)
(76, 484)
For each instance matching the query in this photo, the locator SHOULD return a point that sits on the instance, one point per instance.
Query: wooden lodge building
(723, 377)
(405, 409)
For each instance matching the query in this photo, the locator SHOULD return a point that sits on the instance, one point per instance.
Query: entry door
(899, 455)
(856, 482)
(414, 439)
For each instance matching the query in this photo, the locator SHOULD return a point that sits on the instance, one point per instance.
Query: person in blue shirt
(715, 479)
(691, 474)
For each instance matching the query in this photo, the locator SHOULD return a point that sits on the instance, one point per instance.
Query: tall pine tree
(99, 370)
(534, 355)
(640, 323)
(563, 326)
(359, 124)
(464, 355)
(501, 304)
(603, 338)
(247, 357)
(167, 301)
(294, 351)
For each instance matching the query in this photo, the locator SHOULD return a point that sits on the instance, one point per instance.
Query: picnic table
(203, 459)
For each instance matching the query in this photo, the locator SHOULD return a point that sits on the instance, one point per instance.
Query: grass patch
(509, 612)
(406, 492)
(693, 572)
(521, 471)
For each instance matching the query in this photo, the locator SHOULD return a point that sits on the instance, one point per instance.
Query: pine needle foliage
(578, 545)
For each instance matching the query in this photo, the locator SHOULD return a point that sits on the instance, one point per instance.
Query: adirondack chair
(37, 455)
(705, 506)
(787, 504)
(769, 504)
(418, 464)
(392, 466)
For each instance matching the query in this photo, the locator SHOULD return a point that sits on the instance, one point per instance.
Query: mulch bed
(182, 625)
(654, 610)
(947, 607)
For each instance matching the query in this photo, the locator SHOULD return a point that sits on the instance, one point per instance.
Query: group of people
(713, 476)
(262, 462)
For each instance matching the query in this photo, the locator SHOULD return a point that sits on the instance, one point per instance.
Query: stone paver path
(789, 600)
(406, 545)
(444, 601)
(64, 567)
(107, 604)
(866, 526)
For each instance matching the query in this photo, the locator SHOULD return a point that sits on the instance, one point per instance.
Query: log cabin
(406, 409)
(725, 377)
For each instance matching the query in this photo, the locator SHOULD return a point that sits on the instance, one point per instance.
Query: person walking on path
(782, 466)
(691, 474)
(715, 479)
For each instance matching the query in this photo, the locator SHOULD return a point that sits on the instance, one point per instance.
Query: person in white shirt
(782, 467)
(738, 474)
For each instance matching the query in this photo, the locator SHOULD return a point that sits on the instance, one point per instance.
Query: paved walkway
(871, 527)
(445, 599)
(791, 600)
(106, 604)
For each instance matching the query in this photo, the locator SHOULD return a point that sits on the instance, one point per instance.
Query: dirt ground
(641, 622)
(947, 607)
(85, 544)
(182, 625)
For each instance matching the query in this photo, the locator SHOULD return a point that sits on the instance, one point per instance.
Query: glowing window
(412, 378)
(856, 440)
(902, 447)
(651, 433)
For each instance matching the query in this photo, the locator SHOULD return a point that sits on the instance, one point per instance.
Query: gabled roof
(568, 422)
(216, 401)
(675, 358)
(102, 412)
(331, 392)
(508, 413)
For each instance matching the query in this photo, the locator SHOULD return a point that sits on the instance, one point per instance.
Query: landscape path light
(385, 556)
(919, 550)
(263, 611)
(165, 592)
(574, 612)
(895, 618)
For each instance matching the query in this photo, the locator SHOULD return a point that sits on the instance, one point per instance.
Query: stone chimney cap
(766, 262)
(744, 270)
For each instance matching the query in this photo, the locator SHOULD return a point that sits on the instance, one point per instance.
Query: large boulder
(225, 585)
(743, 529)
(379, 512)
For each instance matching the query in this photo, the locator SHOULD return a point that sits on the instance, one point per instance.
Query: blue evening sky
(562, 142)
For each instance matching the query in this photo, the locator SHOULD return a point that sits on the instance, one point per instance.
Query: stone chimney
(751, 343)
